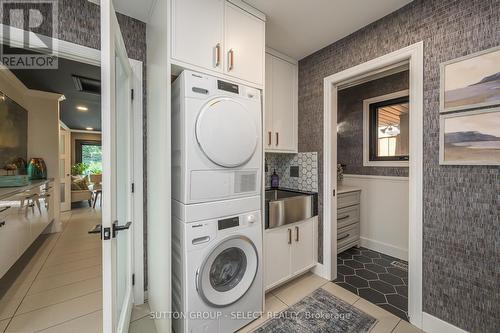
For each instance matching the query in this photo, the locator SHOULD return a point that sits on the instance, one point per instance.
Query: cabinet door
(10, 234)
(303, 246)
(284, 105)
(268, 103)
(197, 32)
(276, 256)
(245, 45)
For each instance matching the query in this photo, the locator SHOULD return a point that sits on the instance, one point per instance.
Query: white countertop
(346, 189)
(10, 191)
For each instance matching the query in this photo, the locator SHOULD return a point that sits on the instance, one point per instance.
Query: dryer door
(227, 132)
(227, 272)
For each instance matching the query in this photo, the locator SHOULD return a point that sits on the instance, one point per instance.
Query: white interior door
(117, 214)
(65, 168)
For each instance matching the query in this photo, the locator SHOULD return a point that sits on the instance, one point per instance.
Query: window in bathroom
(388, 132)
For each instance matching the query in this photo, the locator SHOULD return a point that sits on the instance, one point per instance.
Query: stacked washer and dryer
(216, 207)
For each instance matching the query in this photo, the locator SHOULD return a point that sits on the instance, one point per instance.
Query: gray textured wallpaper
(350, 119)
(461, 259)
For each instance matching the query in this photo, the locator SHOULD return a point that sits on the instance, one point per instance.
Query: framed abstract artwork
(470, 138)
(470, 82)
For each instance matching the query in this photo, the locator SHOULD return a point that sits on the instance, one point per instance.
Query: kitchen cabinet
(289, 250)
(23, 217)
(219, 37)
(281, 104)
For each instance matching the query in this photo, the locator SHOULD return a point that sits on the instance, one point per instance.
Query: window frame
(368, 140)
(78, 147)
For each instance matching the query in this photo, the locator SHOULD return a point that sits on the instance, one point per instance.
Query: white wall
(384, 213)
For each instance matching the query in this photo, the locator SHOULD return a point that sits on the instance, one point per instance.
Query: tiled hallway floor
(281, 298)
(372, 276)
(56, 286)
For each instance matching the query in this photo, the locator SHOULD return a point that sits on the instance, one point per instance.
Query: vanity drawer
(347, 216)
(348, 199)
(347, 235)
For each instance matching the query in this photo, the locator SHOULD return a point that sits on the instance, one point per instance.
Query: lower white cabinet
(23, 217)
(289, 251)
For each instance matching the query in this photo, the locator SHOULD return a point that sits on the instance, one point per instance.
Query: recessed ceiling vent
(86, 85)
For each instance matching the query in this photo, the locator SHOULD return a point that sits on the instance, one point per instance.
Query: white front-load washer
(216, 139)
(217, 273)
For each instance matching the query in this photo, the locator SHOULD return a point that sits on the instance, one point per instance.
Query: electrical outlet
(294, 171)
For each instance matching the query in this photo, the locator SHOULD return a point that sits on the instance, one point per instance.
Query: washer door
(226, 132)
(227, 272)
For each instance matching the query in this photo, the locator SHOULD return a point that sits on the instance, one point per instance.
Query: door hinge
(133, 187)
(132, 94)
(133, 279)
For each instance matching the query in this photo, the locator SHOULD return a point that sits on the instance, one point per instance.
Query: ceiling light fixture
(82, 108)
(89, 128)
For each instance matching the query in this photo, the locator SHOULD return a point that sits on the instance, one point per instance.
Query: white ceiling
(298, 28)
(138, 9)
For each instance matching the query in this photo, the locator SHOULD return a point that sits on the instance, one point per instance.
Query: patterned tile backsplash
(307, 164)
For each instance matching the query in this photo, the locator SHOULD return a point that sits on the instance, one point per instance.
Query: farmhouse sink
(285, 206)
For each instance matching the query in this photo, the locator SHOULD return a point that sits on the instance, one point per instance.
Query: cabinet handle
(277, 138)
(217, 55)
(4, 209)
(343, 237)
(289, 236)
(343, 217)
(231, 60)
(2, 224)
(269, 138)
(296, 234)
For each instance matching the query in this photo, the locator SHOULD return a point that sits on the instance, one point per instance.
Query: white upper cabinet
(198, 33)
(216, 36)
(281, 104)
(245, 45)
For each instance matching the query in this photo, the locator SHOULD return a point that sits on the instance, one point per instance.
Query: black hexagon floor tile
(371, 276)
(366, 274)
(353, 264)
(356, 281)
(372, 295)
(346, 270)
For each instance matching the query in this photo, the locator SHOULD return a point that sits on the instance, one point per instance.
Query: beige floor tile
(272, 306)
(144, 325)
(386, 320)
(405, 327)
(64, 259)
(140, 311)
(76, 249)
(3, 324)
(58, 295)
(91, 323)
(56, 314)
(341, 293)
(297, 289)
(68, 267)
(60, 280)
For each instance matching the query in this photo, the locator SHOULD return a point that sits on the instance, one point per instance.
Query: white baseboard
(431, 324)
(384, 248)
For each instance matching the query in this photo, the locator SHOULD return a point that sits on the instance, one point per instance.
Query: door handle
(269, 138)
(117, 227)
(296, 234)
(231, 59)
(289, 236)
(217, 55)
(277, 138)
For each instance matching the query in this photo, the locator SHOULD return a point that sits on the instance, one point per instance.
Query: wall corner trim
(433, 324)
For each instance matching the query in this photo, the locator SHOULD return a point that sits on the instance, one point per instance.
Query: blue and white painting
(472, 82)
(472, 138)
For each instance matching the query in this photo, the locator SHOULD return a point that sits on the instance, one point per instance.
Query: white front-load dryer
(216, 139)
(217, 273)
